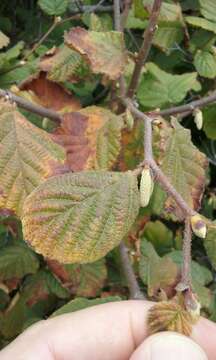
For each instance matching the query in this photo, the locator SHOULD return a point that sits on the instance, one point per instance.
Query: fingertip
(168, 346)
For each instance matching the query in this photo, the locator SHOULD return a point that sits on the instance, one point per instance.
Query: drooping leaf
(48, 94)
(201, 23)
(82, 280)
(63, 65)
(205, 63)
(168, 35)
(42, 284)
(168, 12)
(201, 277)
(104, 51)
(159, 235)
(4, 40)
(16, 262)
(210, 244)
(200, 274)
(80, 217)
(208, 9)
(82, 303)
(159, 88)
(91, 138)
(156, 272)
(209, 116)
(12, 321)
(53, 7)
(27, 157)
(184, 165)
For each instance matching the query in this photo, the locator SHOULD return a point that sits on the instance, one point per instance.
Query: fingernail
(169, 346)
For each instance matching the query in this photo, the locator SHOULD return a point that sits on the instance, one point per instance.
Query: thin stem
(145, 48)
(92, 8)
(36, 109)
(43, 38)
(159, 175)
(187, 107)
(117, 15)
(186, 266)
(169, 188)
(125, 13)
(127, 268)
(56, 22)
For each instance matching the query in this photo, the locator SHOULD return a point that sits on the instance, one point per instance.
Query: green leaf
(156, 272)
(11, 323)
(53, 7)
(205, 64)
(28, 156)
(201, 23)
(159, 88)
(87, 279)
(65, 65)
(183, 164)
(159, 235)
(208, 9)
(4, 40)
(168, 35)
(210, 243)
(16, 262)
(82, 303)
(43, 283)
(81, 280)
(104, 51)
(80, 217)
(209, 116)
(200, 274)
(168, 12)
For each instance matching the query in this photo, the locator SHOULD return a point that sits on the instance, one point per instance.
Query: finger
(169, 346)
(109, 332)
(204, 333)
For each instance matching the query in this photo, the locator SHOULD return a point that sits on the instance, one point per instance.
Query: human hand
(112, 331)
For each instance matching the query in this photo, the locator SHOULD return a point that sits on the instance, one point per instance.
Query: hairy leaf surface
(80, 217)
(27, 155)
(64, 65)
(183, 164)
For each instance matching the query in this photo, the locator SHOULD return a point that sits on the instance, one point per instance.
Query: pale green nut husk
(146, 187)
(198, 118)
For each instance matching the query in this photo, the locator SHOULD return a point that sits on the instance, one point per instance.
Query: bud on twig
(198, 226)
(146, 187)
(198, 118)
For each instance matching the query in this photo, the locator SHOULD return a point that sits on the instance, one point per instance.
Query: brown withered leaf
(91, 138)
(169, 316)
(82, 280)
(104, 51)
(48, 94)
(27, 157)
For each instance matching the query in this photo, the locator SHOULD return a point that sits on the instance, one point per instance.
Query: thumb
(168, 346)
